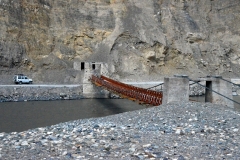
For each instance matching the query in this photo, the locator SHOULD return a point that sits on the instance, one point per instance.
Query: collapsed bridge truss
(141, 95)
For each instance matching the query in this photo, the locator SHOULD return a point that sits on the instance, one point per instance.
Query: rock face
(140, 40)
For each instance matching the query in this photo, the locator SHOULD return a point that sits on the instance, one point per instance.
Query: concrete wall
(236, 88)
(175, 89)
(221, 87)
(29, 92)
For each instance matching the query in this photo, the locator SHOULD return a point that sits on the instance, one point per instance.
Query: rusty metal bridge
(217, 90)
(141, 95)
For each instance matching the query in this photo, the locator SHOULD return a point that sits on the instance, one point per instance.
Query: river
(20, 116)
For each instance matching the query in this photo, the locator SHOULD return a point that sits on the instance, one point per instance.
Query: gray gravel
(175, 131)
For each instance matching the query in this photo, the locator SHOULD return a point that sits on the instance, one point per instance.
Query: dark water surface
(20, 116)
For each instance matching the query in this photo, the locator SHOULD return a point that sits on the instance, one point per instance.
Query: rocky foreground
(173, 131)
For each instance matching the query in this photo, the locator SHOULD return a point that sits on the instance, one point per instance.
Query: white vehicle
(20, 78)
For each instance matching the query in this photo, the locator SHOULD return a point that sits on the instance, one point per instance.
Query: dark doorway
(208, 91)
(93, 66)
(82, 65)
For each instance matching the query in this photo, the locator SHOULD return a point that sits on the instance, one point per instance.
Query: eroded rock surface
(143, 40)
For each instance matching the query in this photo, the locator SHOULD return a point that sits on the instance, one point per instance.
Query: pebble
(178, 131)
(235, 130)
(146, 145)
(24, 143)
(1, 135)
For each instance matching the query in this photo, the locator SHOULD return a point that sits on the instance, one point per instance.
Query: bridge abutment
(175, 89)
(224, 88)
(218, 91)
(89, 89)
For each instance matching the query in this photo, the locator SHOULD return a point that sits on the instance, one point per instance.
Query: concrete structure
(39, 92)
(175, 89)
(215, 84)
(235, 80)
(236, 88)
(89, 89)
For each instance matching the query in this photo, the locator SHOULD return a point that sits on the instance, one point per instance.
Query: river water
(20, 116)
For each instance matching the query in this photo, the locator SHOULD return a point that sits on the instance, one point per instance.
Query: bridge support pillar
(219, 86)
(90, 90)
(176, 89)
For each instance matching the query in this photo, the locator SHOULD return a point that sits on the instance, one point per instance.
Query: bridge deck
(128, 91)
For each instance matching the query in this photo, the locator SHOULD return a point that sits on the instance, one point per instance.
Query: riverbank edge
(20, 93)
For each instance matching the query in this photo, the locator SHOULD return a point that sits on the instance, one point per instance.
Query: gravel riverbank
(173, 131)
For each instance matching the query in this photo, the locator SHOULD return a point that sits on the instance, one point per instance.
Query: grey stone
(24, 143)
(235, 130)
(52, 138)
(1, 135)
(181, 157)
(17, 147)
(157, 155)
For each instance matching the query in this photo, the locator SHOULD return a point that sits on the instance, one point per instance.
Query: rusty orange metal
(141, 95)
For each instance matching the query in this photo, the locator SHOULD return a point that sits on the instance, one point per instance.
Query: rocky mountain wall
(140, 40)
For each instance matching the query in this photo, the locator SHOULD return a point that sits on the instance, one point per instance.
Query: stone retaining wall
(196, 90)
(23, 93)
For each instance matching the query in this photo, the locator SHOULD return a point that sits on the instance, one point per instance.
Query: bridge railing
(141, 95)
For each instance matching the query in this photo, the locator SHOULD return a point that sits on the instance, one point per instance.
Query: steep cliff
(145, 39)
